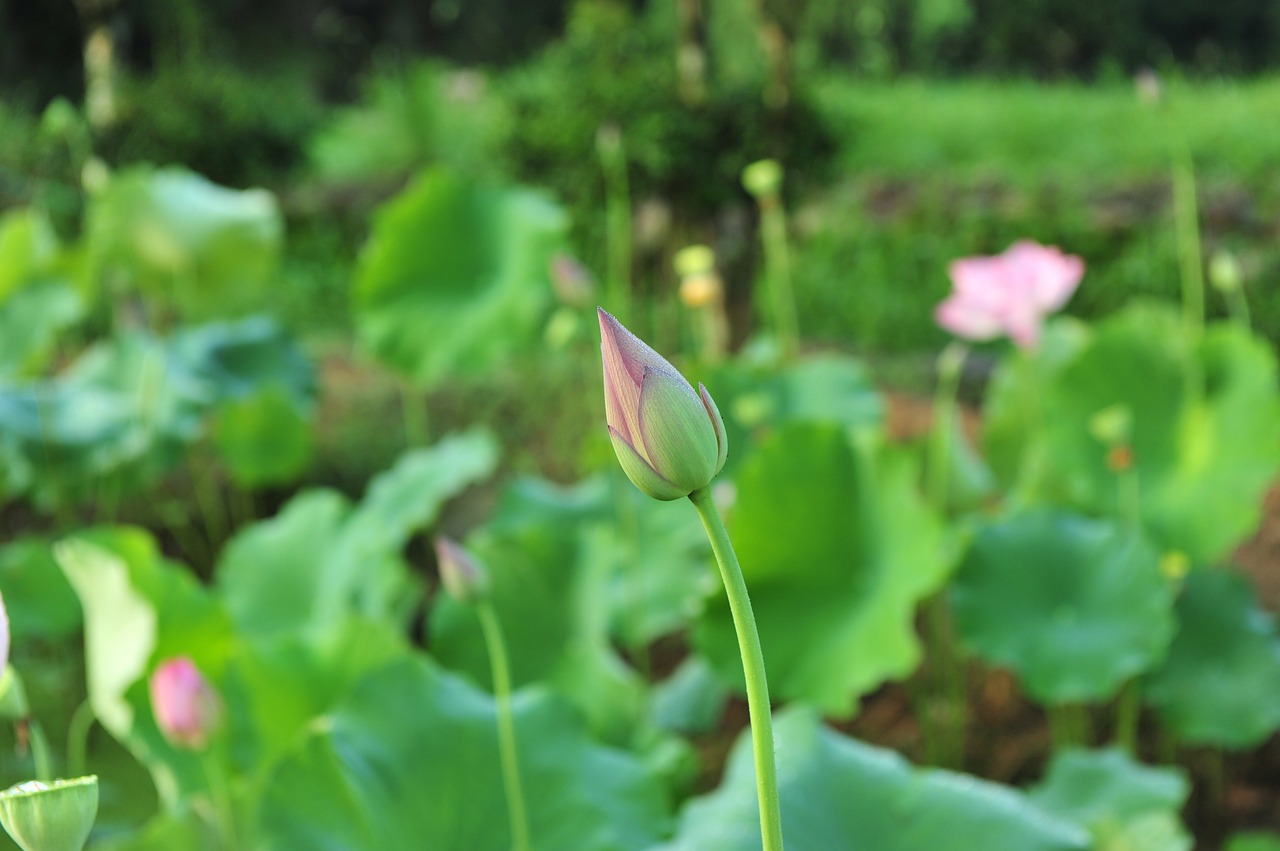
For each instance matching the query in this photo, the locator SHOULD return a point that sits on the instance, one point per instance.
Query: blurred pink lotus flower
(669, 439)
(1010, 293)
(186, 707)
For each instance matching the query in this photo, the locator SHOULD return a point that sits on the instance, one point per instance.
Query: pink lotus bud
(186, 707)
(669, 439)
(463, 577)
(1009, 294)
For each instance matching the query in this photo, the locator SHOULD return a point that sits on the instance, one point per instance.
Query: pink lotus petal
(968, 319)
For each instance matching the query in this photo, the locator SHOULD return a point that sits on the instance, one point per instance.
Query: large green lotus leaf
(409, 760)
(232, 360)
(1075, 606)
(187, 830)
(1229, 450)
(454, 278)
(837, 549)
(656, 556)
(208, 250)
(118, 413)
(264, 438)
(40, 603)
(1221, 682)
(30, 324)
(1124, 804)
(320, 558)
(691, 700)
(278, 684)
(553, 604)
(1202, 461)
(837, 792)
(138, 610)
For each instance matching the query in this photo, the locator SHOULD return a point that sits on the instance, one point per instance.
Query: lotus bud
(53, 816)
(573, 282)
(763, 178)
(669, 438)
(1224, 272)
(464, 578)
(187, 709)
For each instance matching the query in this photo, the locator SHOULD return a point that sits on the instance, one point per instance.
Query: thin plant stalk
(416, 431)
(617, 213)
(41, 753)
(224, 815)
(78, 730)
(777, 263)
(744, 623)
(1238, 305)
(944, 736)
(507, 752)
(1128, 709)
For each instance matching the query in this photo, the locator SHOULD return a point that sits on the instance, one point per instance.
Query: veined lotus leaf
(837, 792)
(40, 603)
(837, 549)
(454, 278)
(1075, 606)
(1221, 682)
(410, 760)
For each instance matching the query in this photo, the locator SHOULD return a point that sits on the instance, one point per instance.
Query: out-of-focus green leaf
(1125, 805)
(1205, 423)
(208, 251)
(410, 760)
(37, 597)
(232, 360)
(691, 699)
(1221, 682)
(454, 278)
(320, 559)
(27, 246)
(30, 323)
(837, 549)
(1254, 842)
(264, 438)
(1075, 606)
(138, 610)
(840, 793)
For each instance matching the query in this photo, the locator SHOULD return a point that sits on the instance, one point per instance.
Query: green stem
(506, 725)
(78, 738)
(744, 622)
(777, 262)
(617, 187)
(41, 754)
(1238, 304)
(1187, 220)
(221, 795)
(415, 416)
(1128, 708)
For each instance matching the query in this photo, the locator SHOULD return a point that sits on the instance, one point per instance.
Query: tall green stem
(224, 814)
(41, 753)
(506, 725)
(617, 213)
(744, 622)
(777, 262)
(78, 738)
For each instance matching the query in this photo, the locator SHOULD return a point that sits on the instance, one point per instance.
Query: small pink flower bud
(186, 707)
(669, 439)
(464, 578)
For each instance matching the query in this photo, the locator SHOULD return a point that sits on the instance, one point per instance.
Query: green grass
(1024, 132)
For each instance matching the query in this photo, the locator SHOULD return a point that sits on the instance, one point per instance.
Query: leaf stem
(78, 737)
(506, 725)
(744, 623)
(777, 261)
